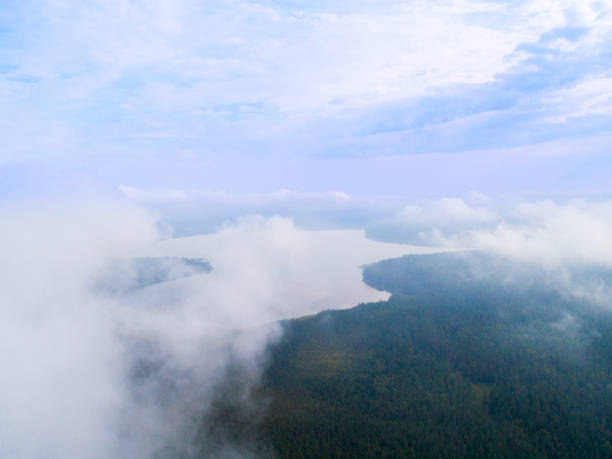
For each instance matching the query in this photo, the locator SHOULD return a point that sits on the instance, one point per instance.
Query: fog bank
(94, 368)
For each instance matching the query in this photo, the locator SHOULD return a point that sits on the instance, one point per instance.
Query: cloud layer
(182, 94)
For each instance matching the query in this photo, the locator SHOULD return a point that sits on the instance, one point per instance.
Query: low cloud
(576, 231)
(197, 211)
(431, 221)
(447, 213)
(287, 270)
(94, 368)
(60, 359)
(571, 239)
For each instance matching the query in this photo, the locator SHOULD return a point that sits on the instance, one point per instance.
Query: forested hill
(472, 356)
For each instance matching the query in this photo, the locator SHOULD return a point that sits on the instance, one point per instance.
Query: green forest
(472, 356)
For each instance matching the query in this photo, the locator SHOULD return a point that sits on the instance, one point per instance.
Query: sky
(175, 100)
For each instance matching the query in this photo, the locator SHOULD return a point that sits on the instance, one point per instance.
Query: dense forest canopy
(472, 356)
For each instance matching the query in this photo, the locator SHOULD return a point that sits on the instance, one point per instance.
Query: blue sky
(412, 99)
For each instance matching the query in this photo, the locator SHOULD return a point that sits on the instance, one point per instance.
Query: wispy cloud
(130, 80)
(591, 96)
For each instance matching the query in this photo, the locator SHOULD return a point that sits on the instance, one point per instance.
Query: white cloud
(446, 212)
(553, 233)
(96, 78)
(590, 96)
(545, 232)
(184, 55)
(432, 221)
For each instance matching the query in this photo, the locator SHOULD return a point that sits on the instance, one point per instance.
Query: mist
(99, 363)
(60, 359)
(569, 239)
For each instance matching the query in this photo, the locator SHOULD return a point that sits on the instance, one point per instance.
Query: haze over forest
(305, 229)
